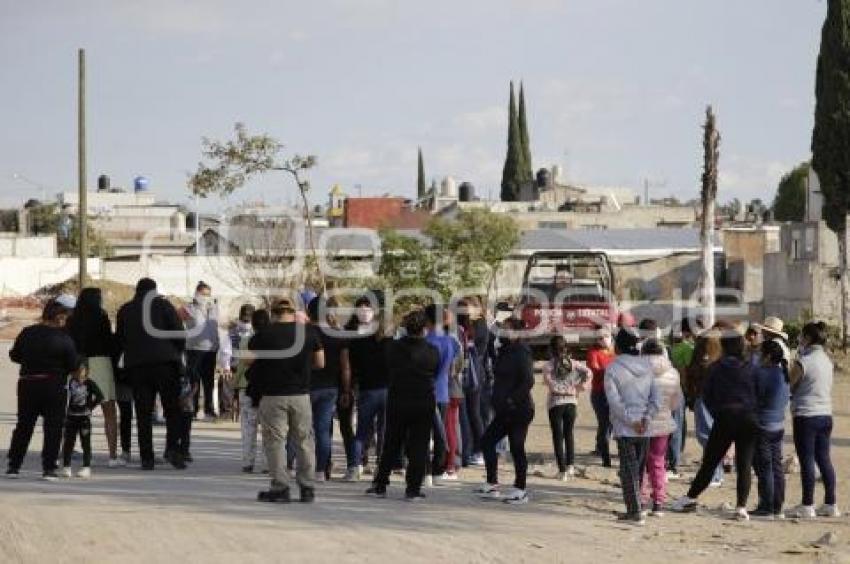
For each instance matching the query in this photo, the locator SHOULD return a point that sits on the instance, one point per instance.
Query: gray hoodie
(632, 397)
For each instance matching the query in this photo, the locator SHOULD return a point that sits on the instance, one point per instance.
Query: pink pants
(655, 475)
(452, 446)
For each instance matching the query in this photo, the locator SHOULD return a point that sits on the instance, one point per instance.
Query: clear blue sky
(616, 89)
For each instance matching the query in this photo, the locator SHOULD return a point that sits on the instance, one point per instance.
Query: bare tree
(708, 197)
(233, 162)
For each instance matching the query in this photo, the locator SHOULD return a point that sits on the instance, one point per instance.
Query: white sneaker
(428, 481)
(741, 514)
(715, 484)
(319, 477)
(116, 463)
(477, 460)
(563, 477)
(65, 472)
(447, 477)
(826, 510)
(571, 471)
(84, 473)
(802, 512)
(672, 475)
(515, 496)
(489, 491)
(351, 475)
(684, 504)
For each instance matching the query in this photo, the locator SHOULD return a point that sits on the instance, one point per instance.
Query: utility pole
(82, 211)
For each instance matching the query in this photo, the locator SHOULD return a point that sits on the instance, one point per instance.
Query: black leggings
(125, 425)
(77, 425)
(731, 426)
(562, 418)
(200, 366)
(514, 425)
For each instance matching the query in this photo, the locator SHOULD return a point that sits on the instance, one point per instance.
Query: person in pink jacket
(661, 425)
(564, 378)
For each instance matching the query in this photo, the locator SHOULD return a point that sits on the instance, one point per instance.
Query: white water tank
(557, 174)
(448, 188)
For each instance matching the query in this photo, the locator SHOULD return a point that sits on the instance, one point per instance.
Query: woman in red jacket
(598, 359)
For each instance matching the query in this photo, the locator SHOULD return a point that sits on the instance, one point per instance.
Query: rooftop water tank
(140, 184)
(448, 188)
(103, 183)
(467, 192)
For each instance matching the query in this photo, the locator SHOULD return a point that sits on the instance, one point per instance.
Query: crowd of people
(446, 388)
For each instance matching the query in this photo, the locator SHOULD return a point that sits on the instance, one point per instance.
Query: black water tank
(103, 183)
(466, 192)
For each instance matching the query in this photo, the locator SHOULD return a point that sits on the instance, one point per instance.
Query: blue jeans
(704, 422)
(768, 467)
(371, 406)
(324, 404)
(603, 426)
(677, 439)
(811, 440)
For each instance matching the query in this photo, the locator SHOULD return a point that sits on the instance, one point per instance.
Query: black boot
(274, 496)
(308, 495)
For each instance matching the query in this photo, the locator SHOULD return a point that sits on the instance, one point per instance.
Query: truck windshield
(582, 278)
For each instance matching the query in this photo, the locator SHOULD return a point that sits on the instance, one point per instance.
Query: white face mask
(203, 299)
(365, 314)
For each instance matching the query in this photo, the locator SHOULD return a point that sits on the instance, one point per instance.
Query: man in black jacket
(151, 337)
(513, 412)
(413, 365)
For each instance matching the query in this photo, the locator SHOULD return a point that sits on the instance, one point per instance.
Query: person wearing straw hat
(772, 330)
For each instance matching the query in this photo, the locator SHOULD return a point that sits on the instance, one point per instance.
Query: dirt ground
(208, 513)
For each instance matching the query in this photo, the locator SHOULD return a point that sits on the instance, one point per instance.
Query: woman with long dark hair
(47, 356)
(514, 412)
(772, 393)
(92, 333)
(729, 395)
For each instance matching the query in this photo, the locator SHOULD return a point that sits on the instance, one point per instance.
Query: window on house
(810, 240)
(551, 224)
(796, 251)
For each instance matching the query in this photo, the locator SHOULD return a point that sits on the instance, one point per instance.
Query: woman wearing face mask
(514, 412)
(202, 344)
(47, 355)
(367, 356)
(92, 333)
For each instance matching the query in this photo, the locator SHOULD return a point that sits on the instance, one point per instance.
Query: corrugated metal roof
(660, 239)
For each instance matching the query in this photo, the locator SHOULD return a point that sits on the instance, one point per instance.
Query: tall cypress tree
(831, 135)
(420, 178)
(512, 173)
(528, 171)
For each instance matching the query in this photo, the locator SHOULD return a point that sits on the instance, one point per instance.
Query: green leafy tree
(522, 122)
(232, 163)
(45, 219)
(789, 204)
(831, 135)
(420, 178)
(462, 253)
(512, 173)
(8, 220)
